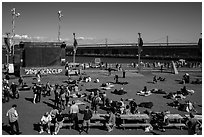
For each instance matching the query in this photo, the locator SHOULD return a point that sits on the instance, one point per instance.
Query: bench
(135, 117)
(198, 117)
(64, 125)
(174, 117)
(179, 125)
(135, 125)
(98, 120)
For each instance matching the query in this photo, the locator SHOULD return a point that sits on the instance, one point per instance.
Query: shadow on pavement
(29, 99)
(6, 128)
(49, 104)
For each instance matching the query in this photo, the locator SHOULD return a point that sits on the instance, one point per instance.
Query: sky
(118, 22)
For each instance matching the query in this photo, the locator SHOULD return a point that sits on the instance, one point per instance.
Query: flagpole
(59, 29)
(139, 51)
(13, 28)
(59, 24)
(74, 49)
(14, 14)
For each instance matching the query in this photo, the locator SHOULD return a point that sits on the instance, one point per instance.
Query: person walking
(13, 119)
(14, 89)
(86, 119)
(74, 110)
(20, 81)
(193, 125)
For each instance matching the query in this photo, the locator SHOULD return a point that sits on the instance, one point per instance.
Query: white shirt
(45, 119)
(74, 109)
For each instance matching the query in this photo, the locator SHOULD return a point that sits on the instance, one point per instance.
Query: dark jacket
(87, 114)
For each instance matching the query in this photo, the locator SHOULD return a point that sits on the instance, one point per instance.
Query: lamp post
(74, 48)
(140, 44)
(14, 15)
(59, 23)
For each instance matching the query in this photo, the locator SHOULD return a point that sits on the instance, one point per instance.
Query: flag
(75, 43)
(140, 44)
(8, 43)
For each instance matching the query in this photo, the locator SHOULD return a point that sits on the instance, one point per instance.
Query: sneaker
(41, 132)
(48, 131)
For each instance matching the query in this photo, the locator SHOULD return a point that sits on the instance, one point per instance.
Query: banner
(43, 71)
(10, 68)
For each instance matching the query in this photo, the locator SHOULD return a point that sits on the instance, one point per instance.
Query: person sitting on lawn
(190, 106)
(155, 79)
(184, 91)
(96, 80)
(45, 123)
(145, 89)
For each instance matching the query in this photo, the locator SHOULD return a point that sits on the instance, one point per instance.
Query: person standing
(109, 71)
(34, 93)
(193, 125)
(67, 96)
(124, 73)
(38, 75)
(74, 110)
(20, 81)
(13, 119)
(62, 98)
(48, 89)
(116, 79)
(39, 91)
(86, 119)
(57, 93)
(14, 89)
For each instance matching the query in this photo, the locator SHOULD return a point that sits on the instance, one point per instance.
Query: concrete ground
(31, 113)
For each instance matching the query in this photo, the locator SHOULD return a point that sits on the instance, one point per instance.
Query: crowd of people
(63, 99)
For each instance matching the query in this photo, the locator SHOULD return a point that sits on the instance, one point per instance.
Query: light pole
(14, 15)
(7, 41)
(74, 48)
(140, 44)
(59, 23)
